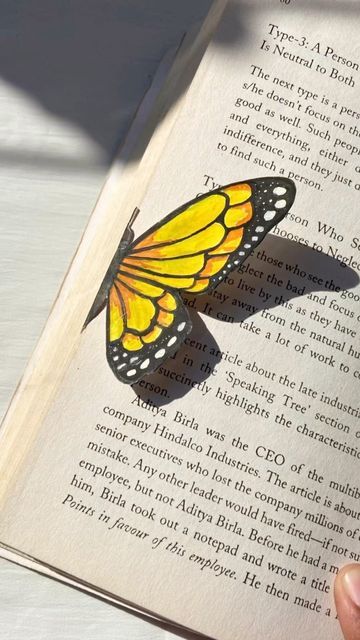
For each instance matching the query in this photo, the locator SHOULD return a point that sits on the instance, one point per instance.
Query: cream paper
(220, 492)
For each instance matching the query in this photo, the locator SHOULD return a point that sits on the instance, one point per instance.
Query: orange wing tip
(213, 265)
(238, 215)
(165, 319)
(238, 193)
(167, 302)
(152, 335)
(230, 244)
(201, 285)
(131, 342)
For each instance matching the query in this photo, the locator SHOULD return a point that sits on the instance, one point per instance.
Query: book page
(226, 483)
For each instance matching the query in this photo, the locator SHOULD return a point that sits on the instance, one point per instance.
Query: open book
(226, 482)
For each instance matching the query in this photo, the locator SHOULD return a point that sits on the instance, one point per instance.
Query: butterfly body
(191, 251)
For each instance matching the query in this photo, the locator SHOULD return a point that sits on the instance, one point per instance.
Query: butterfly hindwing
(145, 325)
(191, 251)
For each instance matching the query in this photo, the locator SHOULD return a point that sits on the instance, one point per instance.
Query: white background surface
(71, 77)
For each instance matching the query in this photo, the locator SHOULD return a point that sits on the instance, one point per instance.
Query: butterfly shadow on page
(269, 283)
(188, 369)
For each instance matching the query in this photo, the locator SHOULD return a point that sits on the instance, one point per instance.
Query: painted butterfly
(191, 250)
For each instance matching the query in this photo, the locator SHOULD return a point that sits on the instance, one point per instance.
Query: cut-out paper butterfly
(189, 251)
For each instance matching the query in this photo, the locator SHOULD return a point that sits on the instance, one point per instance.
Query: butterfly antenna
(134, 215)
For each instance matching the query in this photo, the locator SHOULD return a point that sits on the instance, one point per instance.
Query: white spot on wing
(279, 191)
(160, 353)
(145, 364)
(172, 341)
(181, 326)
(280, 204)
(131, 373)
(269, 215)
(259, 229)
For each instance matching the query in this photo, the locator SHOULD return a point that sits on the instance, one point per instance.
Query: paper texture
(226, 484)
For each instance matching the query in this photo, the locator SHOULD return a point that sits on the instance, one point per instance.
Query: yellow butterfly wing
(194, 248)
(145, 324)
(191, 250)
